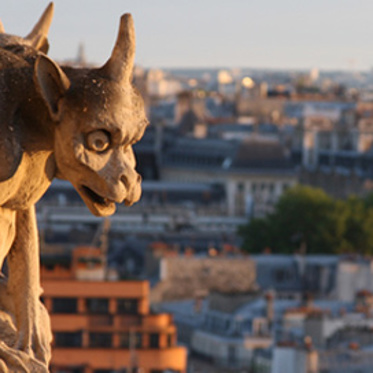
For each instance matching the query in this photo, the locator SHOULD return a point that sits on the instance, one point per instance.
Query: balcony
(127, 321)
(100, 320)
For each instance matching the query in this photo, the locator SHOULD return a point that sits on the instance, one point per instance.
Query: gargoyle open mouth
(96, 198)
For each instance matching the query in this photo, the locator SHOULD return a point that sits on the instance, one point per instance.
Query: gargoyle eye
(98, 141)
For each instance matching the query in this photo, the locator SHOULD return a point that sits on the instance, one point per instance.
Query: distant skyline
(286, 34)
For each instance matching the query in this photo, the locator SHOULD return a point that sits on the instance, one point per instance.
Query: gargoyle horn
(120, 64)
(38, 36)
(2, 30)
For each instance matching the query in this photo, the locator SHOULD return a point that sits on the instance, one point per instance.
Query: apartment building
(102, 326)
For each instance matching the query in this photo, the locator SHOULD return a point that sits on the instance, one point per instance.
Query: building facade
(104, 326)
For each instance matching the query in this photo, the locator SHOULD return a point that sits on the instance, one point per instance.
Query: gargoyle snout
(129, 177)
(132, 182)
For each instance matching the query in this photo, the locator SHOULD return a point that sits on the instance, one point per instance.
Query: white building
(255, 172)
(353, 276)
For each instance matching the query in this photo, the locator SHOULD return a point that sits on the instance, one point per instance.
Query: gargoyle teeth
(94, 197)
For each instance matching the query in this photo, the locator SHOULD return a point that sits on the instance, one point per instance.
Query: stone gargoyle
(75, 124)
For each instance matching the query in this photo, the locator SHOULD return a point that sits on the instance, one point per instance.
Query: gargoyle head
(98, 116)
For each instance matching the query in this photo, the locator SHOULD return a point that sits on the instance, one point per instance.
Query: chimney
(183, 104)
(308, 299)
(198, 300)
(197, 304)
(312, 356)
(270, 312)
(364, 302)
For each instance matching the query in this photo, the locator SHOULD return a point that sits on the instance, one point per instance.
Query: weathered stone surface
(199, 276)
(74, 124)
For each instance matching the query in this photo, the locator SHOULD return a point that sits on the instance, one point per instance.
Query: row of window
(256, 187)
(196, 159)
(105, 340)
(94, 305)
(348, 162)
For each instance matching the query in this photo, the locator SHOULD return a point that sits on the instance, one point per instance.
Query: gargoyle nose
(130, 178)
(133, 188)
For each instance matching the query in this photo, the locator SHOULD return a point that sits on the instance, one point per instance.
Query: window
(227, 324)
(68, 339)
(154, 340)
(64, 305)
(137, 340)
(282, 275)
(127, 306)
(97, 305)
(126, 340)
(90, 262)
(232, 354)
(240, 187)
(170, 342)
(100, 340)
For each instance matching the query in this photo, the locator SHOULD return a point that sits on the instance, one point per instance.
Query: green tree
(308, 219)
(303, 217)
(357, 216)
(257, 235)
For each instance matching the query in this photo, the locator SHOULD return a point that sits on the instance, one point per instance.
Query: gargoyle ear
(120, 65)
(38, 36)
(52, 84)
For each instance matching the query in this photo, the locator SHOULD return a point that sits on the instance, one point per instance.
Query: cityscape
(251, 247)
(180, 291)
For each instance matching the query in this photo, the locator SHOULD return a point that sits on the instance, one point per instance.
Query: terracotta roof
(305, 310)
(364, 293)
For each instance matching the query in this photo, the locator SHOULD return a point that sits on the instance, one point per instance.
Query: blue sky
(294, 34)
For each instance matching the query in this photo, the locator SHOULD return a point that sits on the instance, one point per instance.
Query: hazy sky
(328, 34)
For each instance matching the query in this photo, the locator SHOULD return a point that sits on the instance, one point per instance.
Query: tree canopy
(308, 219)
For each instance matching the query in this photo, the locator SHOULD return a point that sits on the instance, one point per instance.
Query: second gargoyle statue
(75, 124)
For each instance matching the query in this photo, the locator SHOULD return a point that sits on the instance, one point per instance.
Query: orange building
(105, 326)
